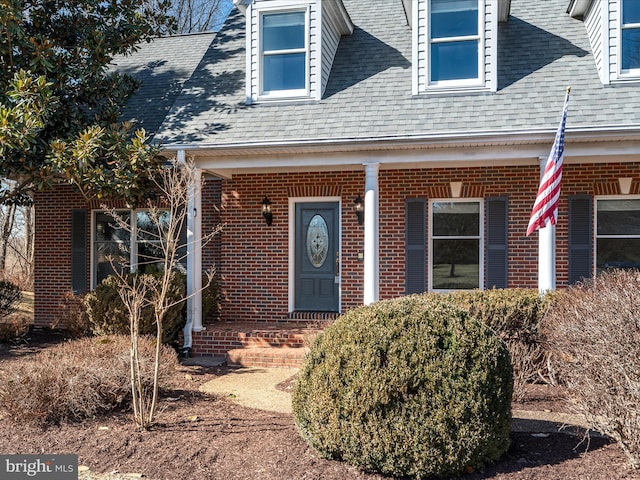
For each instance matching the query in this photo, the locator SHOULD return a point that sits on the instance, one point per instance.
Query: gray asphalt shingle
(541, 51)
(162, 66)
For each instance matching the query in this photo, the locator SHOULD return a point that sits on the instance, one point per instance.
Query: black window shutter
(79, 251)
(496, 242)
(580, 238)
(415, 246)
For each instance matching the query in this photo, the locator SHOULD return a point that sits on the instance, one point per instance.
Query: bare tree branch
(194, 16)
(166, 221)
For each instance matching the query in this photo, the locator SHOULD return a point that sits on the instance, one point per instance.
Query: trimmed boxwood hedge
(413, 386)
(515, 315)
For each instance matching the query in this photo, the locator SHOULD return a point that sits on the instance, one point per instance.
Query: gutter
(593, 133)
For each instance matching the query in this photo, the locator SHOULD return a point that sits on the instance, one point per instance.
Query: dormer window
(455, 44)
(614, 32)
(284, 53)
(630, 33)
(290, 47)
(454, 39)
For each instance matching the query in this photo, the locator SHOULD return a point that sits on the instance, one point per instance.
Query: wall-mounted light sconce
(266, 210)
(358, 207)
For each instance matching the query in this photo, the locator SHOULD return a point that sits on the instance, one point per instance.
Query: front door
(317, 257)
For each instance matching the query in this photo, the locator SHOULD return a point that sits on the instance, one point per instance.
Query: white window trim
(595, 225)
(479, 237)
(447, 85)
(284, 94)
(625, 74)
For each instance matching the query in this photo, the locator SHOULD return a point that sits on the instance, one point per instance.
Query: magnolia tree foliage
(59, 102)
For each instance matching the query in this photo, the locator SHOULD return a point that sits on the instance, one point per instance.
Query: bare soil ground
(203, 437)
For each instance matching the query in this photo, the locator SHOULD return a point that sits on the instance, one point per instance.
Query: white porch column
(371, 234)
(546, 251)
(194, 256)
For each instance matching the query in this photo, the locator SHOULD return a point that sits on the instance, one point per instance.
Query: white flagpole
(546, 251)
(547, 235)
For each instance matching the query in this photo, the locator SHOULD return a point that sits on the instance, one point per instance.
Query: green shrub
(10, 294)
(594, 335)
(211, 299)
(76, 379)
(511, 313)
(412, 386)
(515, 315)
(108, 315)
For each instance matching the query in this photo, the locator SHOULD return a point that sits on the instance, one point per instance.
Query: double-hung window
(150, 233)
(455, 250)
(454, 42)
(617, 233)
(137, 247)
(630, 33)
(284, 53)
(111, 245)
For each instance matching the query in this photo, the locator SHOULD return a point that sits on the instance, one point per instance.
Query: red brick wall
(211, 220)
(210, 216)
(52, 252)
(53, 243)
(519, 184)
(254, 261)
(252, 258)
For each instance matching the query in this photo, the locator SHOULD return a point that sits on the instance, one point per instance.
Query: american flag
(545, 208)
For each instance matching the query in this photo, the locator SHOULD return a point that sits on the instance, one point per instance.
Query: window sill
(454, 90)
(279, 101)
(625, 79)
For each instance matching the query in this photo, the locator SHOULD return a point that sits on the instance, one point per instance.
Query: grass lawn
(24, 309)
(466, 277)
(18, 322)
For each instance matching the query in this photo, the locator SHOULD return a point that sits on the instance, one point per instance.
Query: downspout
(194, 261)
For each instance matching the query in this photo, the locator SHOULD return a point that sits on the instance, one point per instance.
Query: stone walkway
(255, 387)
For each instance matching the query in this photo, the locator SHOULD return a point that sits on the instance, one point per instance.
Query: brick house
(432, 118)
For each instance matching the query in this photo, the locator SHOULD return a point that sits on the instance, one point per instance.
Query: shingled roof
(541, 50)
(162, 67)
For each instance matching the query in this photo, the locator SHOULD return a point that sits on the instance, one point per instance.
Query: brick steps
(256, 344)
(266, 356)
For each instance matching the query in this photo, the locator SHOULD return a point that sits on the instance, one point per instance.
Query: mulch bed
(201, 437)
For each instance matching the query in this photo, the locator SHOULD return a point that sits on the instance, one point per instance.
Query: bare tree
(16, 238)
(193, 16)
(200, 15)
(7, 222)
(163, 231)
